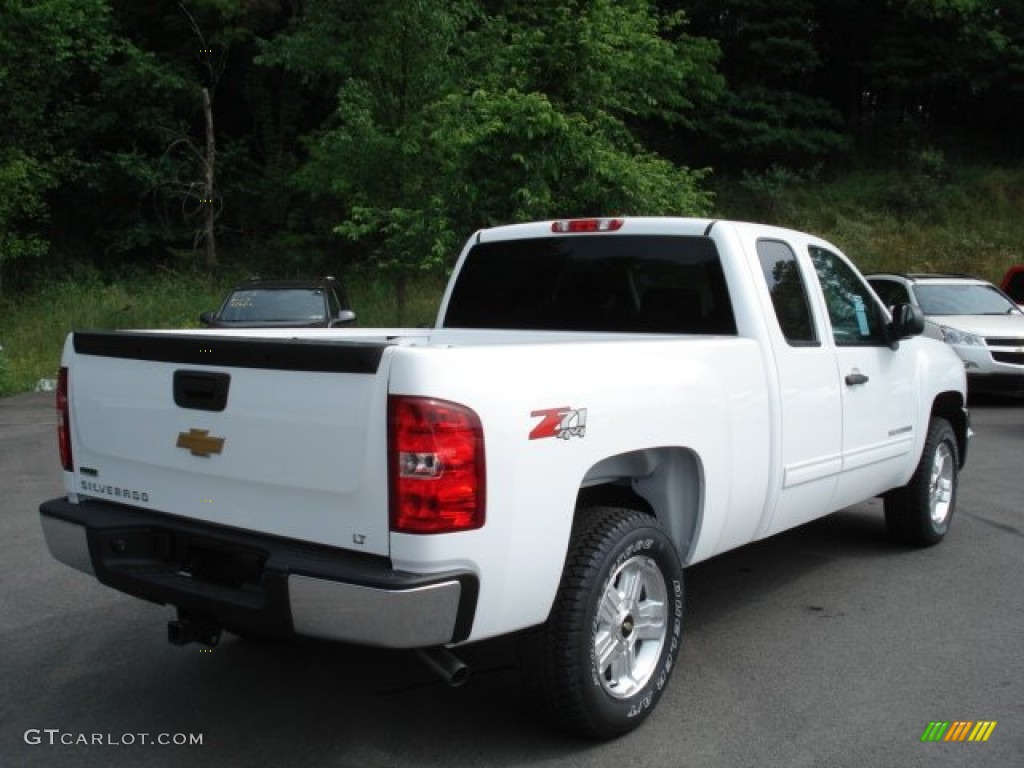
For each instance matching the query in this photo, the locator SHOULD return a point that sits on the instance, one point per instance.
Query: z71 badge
(562, 423)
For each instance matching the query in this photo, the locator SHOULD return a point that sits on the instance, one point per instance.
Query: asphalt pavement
(824, 646)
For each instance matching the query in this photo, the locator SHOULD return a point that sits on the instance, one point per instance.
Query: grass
(928, 218)
(925, 219)
(33, 327)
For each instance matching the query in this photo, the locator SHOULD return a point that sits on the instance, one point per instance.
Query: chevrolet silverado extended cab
(601, 403)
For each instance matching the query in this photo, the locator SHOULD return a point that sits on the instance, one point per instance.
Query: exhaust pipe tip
(188, 629)
(175, 633)
(445, 664)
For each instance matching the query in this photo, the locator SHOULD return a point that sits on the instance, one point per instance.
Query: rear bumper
(248, 581)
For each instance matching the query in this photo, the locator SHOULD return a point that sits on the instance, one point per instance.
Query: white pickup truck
(602, 403)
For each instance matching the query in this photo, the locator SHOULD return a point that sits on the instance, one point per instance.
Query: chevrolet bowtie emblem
(199, 443)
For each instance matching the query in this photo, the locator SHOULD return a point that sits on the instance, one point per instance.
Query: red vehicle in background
(1013, 283)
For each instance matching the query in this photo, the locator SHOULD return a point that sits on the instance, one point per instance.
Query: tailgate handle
(201, 391)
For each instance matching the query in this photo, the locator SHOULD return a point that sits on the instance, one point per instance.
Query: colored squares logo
(958, 730)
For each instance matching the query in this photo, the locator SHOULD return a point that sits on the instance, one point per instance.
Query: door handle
(855, 378)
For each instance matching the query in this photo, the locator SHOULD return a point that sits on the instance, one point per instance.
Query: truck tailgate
(282, 436)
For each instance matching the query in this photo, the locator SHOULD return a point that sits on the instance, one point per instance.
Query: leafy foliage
(81, 130)
(449, 118)
(22, 209)
(380, 134)
(772, 113)
(46, 50)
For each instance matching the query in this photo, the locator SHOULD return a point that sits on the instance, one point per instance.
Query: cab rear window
(620, 283)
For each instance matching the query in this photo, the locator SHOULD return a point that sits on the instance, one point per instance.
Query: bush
(6, 385)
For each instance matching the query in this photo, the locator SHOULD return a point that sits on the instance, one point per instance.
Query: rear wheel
(602, 660)
(920, 512)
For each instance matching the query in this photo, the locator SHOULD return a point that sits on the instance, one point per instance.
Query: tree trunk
(209, 165)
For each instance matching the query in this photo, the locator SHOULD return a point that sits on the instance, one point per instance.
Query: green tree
(80, 127)
(46, 48)
(389, 62)
(452, 116)
(910, 73)
(22, 210)
(565, 96)
(772, 113)
(944, 65)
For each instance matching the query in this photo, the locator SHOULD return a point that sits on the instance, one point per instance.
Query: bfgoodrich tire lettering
(920, 512)
(601, 662)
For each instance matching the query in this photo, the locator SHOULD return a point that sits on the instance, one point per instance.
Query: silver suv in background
(983, 326)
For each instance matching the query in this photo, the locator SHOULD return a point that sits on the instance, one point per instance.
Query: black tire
(920, 512)
(639, 631)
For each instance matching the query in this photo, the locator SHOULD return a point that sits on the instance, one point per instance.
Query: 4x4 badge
(562, 423)
(199, 443)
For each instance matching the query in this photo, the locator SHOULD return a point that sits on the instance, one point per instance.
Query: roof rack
(955, 275)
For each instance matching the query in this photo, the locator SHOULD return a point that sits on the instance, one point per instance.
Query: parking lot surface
(824, 646)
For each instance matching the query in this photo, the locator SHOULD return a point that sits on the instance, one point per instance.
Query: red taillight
(573, 226)
(64, 421)
(436, 464)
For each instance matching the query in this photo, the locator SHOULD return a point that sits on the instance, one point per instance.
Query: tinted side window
(788, 292)
(890, 292)
(856, 316)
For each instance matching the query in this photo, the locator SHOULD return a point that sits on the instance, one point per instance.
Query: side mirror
(907, 321)
(345, 317)
(206, 319)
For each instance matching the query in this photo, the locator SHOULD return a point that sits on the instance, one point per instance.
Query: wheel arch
(666, 482)
(951, 407)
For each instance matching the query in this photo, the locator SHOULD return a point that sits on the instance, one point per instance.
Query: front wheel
(920, 512)
(601, 662)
